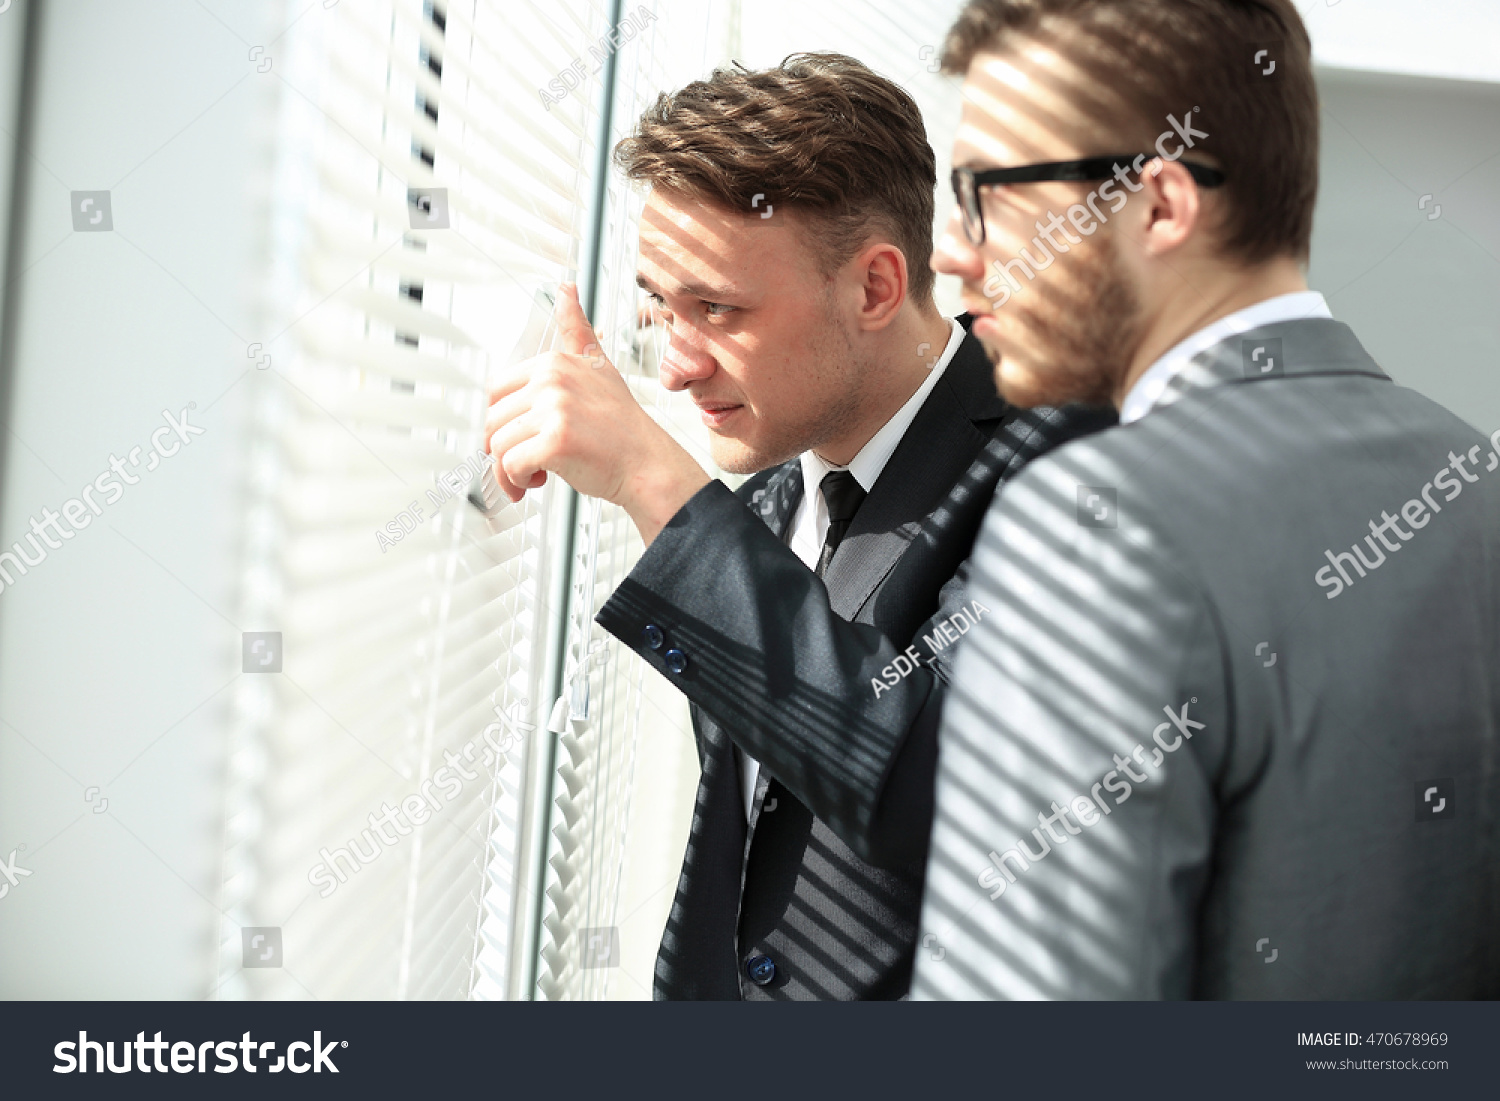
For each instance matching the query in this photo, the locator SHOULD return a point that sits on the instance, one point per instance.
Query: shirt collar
(868, 465)
(1149, 388)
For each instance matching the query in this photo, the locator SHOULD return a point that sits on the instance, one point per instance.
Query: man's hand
(570, 412)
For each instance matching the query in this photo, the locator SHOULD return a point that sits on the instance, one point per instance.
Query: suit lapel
(762, 782)
(940, 445)
(776, 502)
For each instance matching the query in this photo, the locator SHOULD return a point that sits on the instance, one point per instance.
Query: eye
(717, 309)
(655, 311)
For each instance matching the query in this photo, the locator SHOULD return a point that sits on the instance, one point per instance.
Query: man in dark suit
(811, 615)
(1230, 729)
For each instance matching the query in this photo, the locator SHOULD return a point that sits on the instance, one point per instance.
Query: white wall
(1418, 282)
(1457, 39)
(118, 652)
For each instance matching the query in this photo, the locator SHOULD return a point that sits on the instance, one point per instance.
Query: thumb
(575, 333)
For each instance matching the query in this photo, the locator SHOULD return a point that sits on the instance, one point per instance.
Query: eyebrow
(706, 292)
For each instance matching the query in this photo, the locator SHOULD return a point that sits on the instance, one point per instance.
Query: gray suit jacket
(1233, 727)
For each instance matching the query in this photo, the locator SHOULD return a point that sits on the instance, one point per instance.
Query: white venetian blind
(625, 764)
(415, 646)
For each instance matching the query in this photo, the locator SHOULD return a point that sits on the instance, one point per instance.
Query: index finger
(576, 334)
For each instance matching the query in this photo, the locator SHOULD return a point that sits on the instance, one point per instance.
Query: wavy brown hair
(1149, 58)
(820, 133)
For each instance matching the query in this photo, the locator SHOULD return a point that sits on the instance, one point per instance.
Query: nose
(682, 363)
(954, 255)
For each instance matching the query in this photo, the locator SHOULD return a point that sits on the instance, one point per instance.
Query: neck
(1218, 294)
(889, 379)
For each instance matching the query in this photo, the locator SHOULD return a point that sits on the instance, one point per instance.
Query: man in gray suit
(1231, 726)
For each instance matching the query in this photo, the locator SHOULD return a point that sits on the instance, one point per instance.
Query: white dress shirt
(1149, 388)
(810, 523)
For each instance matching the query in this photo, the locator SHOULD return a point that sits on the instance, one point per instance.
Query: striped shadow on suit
(825, 878)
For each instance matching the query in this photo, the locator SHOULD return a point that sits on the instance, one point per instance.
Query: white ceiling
(1458, 39)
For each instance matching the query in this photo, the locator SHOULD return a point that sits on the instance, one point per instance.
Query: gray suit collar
(1285, 349)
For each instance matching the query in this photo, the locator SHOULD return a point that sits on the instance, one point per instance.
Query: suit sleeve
(1098, 689)
(789, 679)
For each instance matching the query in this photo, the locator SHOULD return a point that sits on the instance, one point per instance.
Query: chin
(1068, 342)
(1049, 361)
(736, 457)
(1022, 387)
(1029, 385)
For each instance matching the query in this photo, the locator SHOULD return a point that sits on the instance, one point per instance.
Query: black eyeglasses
(967, 182)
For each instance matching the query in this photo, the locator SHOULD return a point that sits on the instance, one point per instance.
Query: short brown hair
(1154, 57)
(820, 133)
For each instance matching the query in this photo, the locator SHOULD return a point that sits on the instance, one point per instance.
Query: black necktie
(843, 496)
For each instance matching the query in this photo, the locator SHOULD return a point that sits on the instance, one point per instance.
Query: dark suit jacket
(826, 878)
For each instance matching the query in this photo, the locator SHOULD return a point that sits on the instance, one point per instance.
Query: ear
(880, 269)
(1173, 210)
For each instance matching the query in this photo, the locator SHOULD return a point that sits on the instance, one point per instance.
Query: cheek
(771, 365)
(772, 388)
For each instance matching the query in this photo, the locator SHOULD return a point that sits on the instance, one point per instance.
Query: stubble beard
(830, 357)
(1076, 350)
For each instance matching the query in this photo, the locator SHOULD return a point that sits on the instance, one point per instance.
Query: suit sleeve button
(653, 636)
(674, 660)
(761, 969)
